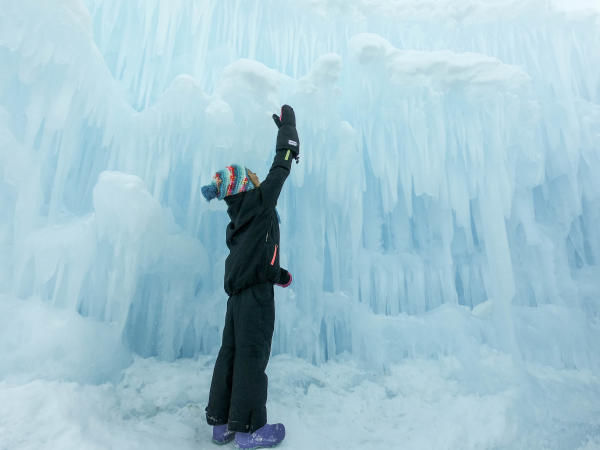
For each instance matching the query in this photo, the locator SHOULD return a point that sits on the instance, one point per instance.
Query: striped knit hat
(229, 181)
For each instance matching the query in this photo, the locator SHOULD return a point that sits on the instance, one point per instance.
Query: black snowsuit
(238, 392)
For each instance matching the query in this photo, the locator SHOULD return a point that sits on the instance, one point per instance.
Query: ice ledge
(442, 68)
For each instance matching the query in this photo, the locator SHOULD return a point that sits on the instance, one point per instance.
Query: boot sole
(235, 444)
(225, 442)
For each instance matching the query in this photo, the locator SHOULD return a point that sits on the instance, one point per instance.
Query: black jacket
(253, 233)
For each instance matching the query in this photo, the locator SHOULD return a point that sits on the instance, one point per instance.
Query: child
(238, 392)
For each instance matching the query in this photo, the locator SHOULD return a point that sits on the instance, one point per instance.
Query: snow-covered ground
(435, 403)
(417, 405)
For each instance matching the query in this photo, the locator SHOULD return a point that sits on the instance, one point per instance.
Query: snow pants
(238, 392)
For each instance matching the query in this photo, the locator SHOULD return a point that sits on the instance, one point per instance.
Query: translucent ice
(443, 218)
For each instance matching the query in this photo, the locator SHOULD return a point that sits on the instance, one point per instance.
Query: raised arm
(286, 149)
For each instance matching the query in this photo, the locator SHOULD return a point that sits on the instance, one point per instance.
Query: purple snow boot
(221, 435)
(267, 436)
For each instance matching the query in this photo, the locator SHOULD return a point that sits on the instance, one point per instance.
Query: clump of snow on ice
(443, 68)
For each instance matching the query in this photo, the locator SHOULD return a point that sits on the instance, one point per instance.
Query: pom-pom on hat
(229, 181)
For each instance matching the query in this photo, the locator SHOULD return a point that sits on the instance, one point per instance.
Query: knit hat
(229, 181)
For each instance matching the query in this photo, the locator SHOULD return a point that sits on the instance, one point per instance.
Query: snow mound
(442, 69)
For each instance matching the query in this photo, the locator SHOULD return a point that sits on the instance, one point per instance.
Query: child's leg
(254, 319)
(217, 411)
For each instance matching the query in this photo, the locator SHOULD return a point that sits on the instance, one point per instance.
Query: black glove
(287, 137)
(285, 278)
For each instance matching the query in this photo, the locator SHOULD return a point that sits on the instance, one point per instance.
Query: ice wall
(447, 195)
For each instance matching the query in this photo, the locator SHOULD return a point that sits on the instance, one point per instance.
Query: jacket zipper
(274, 255)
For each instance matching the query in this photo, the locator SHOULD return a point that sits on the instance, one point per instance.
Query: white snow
(444, 69)
(419, 403)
